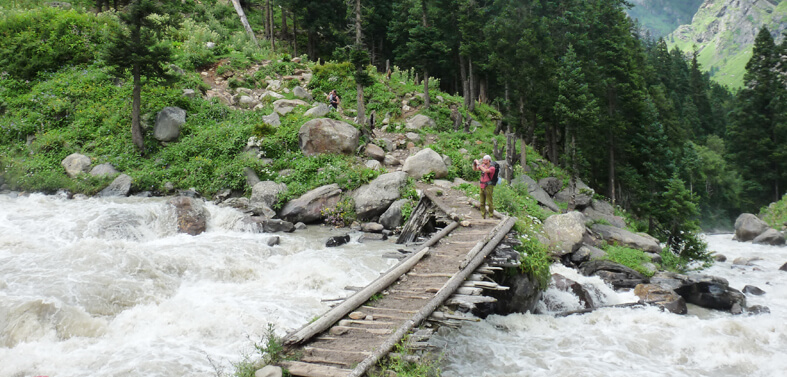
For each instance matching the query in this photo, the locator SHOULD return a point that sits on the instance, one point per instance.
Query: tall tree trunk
(572, 202)
(426, 88)
(270, 22)
(465, 85)
(136, 101)
(284, 30)
(482, 90)
(358, 85)
(294, 34)
(471, 89)
(510, 151)
(611, 147)
(523, 153)
(244, 21)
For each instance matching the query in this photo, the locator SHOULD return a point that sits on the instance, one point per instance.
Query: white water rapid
(635, 342)
(107, 287)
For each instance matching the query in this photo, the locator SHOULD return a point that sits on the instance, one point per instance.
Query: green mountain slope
(661, 17)
(723, 32)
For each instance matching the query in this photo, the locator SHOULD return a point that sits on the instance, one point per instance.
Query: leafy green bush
(632, 258)
(341, 215)
(535, 259)
(776, 213)
(46, 39)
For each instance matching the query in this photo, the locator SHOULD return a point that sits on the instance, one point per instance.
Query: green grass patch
(632, 258)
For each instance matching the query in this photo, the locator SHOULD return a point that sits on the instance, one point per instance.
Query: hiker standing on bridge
(488, 181)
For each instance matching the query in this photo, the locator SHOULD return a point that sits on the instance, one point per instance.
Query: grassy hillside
(723, 32)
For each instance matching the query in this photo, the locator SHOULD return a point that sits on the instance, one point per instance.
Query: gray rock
(285, 106)
(536, 192)
(302, 93)
(300, 226)
(375, 197)
(581, 199)
(703, 290)
(251, 176)
(191, 214)
(273, 85)
(757, 309)
(375, 152)
(320, 110)
(267, 225)
(273, 241)
(388, 145)
(267, 193)
(103, 170)
(75, 164)
(247, 102)
(324, 135)
(748, 227)
(551, 185)
(586, 253)
(391, 160)
(419, 121)
(603, 207)
(770, 237)
(595, 215)
(719, 258)
(269, 371)
(623, 237)
(272, 119)
(752, 290)
(567, 285)
(662, 297)
(372, 227)
(189, 93)
(121, 186)
(783, 267)
(168, 123)
(565, 232)
(424, 162)
(307, 208)
(392, 217)
(745, 261)
(414, 137)
(374, 165)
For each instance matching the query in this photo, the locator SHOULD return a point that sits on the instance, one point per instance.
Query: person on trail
(487, 184)
(333, 99)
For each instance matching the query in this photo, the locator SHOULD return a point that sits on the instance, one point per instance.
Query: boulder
(302, 93)
(285, 106)
(522, 296)
(623, 237)
(103, 170)
(565, 232)
(595, 215)
(272, 119)
(392, 217)
(586, 253)
(702, 290)
(323, 135)
(121, 186)
(536, 192)
(752, 290)
(247, 102)
(745, 261)
(565, 284)
(581, 198)
(424, 162)
(373, 164)
(662, 297)
(419, 121)
(719, 257)
(783, 267)
(191, 214)
(337, 240)
(412, 136)
(268, 225)
(748, 227)
(770, 237)
(391, 160)
(372, 227)
(222, 96)
(168, 123)
(267, 193)
(251, 176)
(308, 207)
(189, 93)
(603, 207)
(320, 110)
(615, 274)
(269, 371)
(551, 185)
(375, 197)
(273, 85)
(76, 164)
(375, 152)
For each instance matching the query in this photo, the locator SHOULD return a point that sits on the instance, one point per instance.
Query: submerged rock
(337, 240)
(662, 297)
(617, 275)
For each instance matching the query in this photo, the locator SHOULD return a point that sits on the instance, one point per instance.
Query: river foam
(107, 287)
(642, 342)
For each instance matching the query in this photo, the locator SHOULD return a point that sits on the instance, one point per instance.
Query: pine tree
(136, 48)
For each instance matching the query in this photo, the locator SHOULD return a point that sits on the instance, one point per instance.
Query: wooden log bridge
(447, 269)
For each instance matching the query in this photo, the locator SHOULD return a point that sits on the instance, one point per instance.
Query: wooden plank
(389, 309)
(432, 275)
(320, 359)
(447, 290)
(325, 321)
(319, 350)
(297, 368)
(344, 329)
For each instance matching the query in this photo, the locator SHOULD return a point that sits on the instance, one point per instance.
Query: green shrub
(632, 258)
(776, 213)
(535, 258)
(46, 39)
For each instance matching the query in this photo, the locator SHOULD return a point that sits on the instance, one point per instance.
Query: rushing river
(635, 342)
(107, 287)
